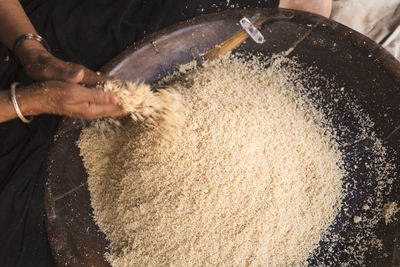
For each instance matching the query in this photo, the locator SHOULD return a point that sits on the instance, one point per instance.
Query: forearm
(15, 23)
(29, 102)
(321, 7)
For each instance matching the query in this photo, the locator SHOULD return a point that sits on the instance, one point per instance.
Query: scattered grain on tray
(252, 180)
(389, 211)
(365, 207)
(256, 177)
(356, 219)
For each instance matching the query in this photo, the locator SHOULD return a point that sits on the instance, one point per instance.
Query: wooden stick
(231, 43)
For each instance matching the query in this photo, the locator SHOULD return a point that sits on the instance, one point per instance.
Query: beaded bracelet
(29, 36)
(15, 104)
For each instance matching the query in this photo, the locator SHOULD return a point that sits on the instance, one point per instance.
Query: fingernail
(115, 99)
(78, 76)
(80, 72)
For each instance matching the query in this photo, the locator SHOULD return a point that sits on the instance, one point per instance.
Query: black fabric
(89, 32)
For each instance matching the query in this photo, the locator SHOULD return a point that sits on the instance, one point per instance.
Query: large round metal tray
(370, 72)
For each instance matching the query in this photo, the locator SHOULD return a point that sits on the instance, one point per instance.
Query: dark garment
(89, 32)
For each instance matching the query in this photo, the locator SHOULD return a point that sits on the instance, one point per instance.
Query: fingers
(96, 96)
(65, 71)
(76, 73)
(92, 78)
(77, 101)
(64, 92)
(47, 67)
(96, 104)
(96, 111)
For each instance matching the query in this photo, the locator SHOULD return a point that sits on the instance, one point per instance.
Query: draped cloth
(379, 20)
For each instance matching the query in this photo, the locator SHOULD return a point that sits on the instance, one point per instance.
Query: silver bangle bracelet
(15, 104)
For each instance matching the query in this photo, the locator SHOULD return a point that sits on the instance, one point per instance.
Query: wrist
(30, 100)
(29, 52)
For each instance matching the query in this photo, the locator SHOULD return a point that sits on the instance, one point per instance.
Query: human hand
(40, 65)
(69, 99)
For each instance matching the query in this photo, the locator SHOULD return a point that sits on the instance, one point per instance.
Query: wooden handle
(231, 43)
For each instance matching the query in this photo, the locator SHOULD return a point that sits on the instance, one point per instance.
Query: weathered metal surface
(370, 73)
